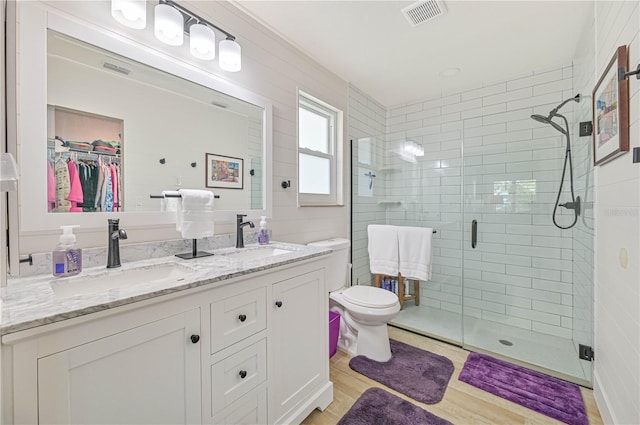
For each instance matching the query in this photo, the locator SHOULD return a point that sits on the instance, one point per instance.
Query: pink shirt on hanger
(51, 187)
(75, 193)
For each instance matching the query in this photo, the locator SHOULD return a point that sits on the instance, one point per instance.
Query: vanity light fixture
(172, 21)
(168, 25)
(130, 13)
(230, 55)
(202, 42)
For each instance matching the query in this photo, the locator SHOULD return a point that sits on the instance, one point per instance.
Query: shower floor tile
(551, 354)
(442, 324)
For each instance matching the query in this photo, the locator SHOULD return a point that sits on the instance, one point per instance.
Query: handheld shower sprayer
(575, 201)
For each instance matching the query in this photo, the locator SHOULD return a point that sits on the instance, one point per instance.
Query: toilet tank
(339, 261)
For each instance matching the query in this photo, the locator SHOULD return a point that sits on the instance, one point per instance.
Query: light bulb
(230, 55)
(202, 42)
(169, 25)
(130, 13)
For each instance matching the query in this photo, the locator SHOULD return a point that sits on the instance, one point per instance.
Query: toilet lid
(368, 296)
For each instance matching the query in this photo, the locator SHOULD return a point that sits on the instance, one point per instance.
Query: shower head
(547, 120)
(554, 113)
(540, 118)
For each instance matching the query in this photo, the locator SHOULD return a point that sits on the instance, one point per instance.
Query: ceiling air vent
(423, 11)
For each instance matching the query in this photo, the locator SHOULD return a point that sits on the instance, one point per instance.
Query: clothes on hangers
(84, 185)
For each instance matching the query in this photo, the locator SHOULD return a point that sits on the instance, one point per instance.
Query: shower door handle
(474, 233)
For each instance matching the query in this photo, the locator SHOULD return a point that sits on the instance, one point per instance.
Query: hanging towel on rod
(194, 215)
(415, 252)
(383, 249)
(169, 200)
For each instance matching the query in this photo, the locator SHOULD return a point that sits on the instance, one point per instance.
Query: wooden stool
(401, 296)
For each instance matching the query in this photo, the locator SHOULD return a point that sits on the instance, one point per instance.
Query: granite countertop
(30, 302)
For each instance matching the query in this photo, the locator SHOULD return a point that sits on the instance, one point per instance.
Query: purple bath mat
(379, 407)
(545, 394)
(416, 373)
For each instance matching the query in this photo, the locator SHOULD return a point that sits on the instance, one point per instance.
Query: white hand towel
(194, 215)
(383, 249)
(414, 245)
(169, 203)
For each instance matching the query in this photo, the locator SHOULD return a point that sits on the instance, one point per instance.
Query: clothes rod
(174, 196)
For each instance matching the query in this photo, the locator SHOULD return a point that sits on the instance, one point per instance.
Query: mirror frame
(31, 121)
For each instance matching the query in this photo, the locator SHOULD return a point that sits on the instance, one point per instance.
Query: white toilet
(364, 310)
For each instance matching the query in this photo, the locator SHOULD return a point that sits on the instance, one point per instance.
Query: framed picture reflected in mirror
(224, 171)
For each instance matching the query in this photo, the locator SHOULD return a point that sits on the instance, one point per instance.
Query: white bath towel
(169, 202)
(414, 246)
(383, 249)
(194, 215)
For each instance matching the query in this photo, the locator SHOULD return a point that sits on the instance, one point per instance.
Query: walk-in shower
(523, 290)
(575, 201)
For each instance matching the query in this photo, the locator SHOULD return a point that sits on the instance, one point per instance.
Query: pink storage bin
(334, 331)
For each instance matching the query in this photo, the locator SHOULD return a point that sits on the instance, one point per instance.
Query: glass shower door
(518, 283)
(414, 180)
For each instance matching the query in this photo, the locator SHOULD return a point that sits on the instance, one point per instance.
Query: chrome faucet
(239, 226)
(115, 234)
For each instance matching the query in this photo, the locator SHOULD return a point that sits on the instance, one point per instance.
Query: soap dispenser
(263, 235)
(67, 259)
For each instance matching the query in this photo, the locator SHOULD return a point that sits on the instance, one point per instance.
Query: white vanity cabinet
(250, 350)
(298, 343)
(146, 375)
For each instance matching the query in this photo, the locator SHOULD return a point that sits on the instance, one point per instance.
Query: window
(319, 152)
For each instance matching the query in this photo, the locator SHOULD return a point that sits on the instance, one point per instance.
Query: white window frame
(334, 155)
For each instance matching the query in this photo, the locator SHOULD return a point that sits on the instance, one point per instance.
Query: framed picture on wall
(224, 171)
(611, 111)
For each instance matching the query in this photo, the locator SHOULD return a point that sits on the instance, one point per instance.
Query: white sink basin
(256, 253)
(118, 278)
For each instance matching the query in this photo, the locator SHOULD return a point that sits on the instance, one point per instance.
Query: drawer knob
(278, 304)
(242, 317)
(195, 338)
(243, 374)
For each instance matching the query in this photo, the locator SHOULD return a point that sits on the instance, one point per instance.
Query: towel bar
(175, 196)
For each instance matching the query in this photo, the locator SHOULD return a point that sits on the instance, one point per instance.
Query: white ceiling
(372, 45)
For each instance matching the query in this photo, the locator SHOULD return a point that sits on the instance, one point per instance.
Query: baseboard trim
(602, 401)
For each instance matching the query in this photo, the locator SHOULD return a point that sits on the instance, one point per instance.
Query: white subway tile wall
(508, 180)
(366, 131)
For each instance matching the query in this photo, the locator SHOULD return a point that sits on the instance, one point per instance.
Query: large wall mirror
(156, 131)
(96, 98)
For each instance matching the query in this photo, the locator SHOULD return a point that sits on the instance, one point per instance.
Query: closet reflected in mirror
(84, 152)
(119, 131)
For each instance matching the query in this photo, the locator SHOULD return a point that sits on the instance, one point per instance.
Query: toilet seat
(369, 296)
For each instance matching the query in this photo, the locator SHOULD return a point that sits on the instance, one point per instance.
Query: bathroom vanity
(240, 337)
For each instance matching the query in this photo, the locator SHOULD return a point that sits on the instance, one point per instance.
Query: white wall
(617, 287)
(272, 68)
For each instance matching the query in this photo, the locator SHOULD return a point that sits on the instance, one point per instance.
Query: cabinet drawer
(250, 409)
(236, 318)
(237, 374)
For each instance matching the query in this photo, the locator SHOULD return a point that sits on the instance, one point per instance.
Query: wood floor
(462, 404)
